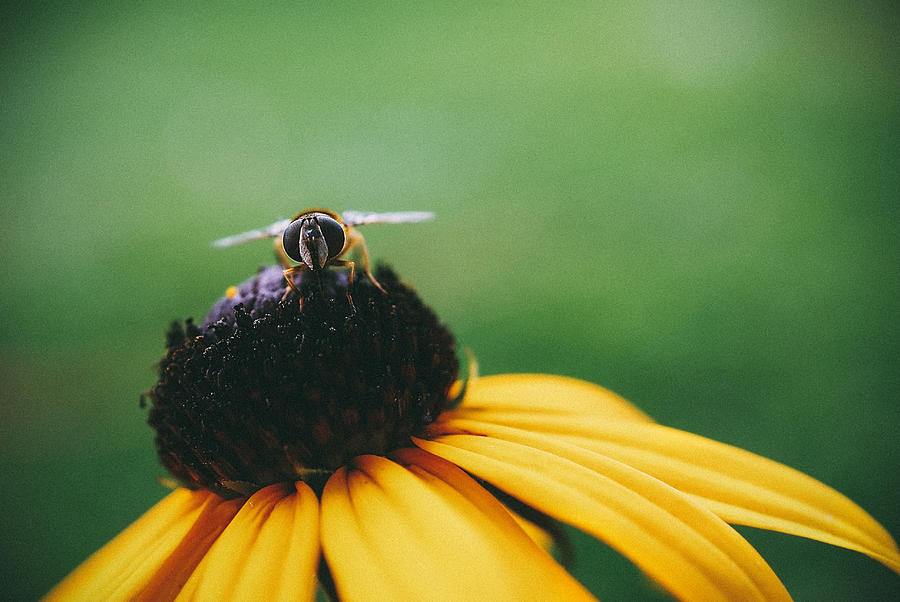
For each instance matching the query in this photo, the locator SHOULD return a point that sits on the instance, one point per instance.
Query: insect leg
(355, 238)
(289, 278)
(352, 266)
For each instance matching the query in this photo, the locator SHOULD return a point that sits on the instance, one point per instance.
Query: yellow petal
(686, 548)
(155, 555)
(348, 548)
(424, 530)
(538, 535)
(269, 551)
(547, 393)
(739, 486)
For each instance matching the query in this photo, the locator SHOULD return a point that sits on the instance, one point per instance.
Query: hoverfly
(317, 238)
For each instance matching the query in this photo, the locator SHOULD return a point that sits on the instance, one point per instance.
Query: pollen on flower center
(265, 391)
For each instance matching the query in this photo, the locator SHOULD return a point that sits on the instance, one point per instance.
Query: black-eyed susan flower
(327, 446)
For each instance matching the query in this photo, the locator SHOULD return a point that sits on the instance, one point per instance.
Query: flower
(323, 447)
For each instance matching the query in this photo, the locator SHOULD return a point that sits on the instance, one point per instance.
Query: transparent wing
(270, 232)
(359, 218)
(350, 218)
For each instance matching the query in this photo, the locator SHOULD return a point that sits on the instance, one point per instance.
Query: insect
(317, 238)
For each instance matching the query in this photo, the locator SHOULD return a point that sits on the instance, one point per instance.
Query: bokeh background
(692, 203)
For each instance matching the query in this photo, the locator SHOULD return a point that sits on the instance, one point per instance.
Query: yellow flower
(417, 527)
(413, 523)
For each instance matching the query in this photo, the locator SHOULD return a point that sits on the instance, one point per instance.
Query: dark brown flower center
(264, 391)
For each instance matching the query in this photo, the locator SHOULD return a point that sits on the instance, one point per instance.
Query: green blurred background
(692, 203)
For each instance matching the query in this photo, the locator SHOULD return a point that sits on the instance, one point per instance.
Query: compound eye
(291, 239)
(333, 233)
